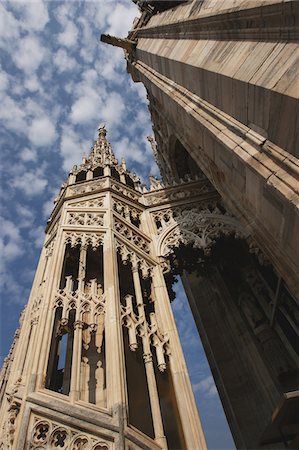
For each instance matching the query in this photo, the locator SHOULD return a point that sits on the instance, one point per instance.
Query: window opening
(94, 265)
(70, 266)
(61, 353)
(134, 218)
(170, 414)
(115, 174)
(81, 176)
(126, 285)
(184, 163)
(129, 181)
(140, 415)
(98, 172)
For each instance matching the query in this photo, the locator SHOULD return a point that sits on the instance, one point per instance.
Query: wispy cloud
(29, 54)
(206, 387)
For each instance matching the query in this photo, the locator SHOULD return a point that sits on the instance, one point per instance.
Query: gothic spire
(102, 150)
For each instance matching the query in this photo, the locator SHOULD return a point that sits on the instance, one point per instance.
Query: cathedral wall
(238, 77)
(223, 77)
(245, 385)
(249, 182)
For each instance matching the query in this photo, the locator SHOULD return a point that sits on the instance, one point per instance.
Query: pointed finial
(102, 132)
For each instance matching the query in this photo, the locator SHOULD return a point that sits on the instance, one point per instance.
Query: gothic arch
(199, 228)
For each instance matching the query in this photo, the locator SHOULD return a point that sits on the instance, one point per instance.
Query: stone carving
(85, 219)
(13, 411)
(9, 427)
(47, 434)
(128, 212)
(87, 187)
(40, 432)
(53, 230)
(50, 247)
(155, 184)
(182, 214)
(93, 302)
(84, 239)
(125, 191)
(255, 250)
(128, 255)
(102, 150)
(91, 203)
(131, 235)
(199, 228)
(137, 325)
(168, 195)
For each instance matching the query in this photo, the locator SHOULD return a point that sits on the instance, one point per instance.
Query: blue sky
(57, 84)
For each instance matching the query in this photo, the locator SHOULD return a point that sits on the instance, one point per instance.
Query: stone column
(148, 361)
(89, 175)
(191, 424)
(76, 361)
(115, 365)
(82, 267)
(107, 171)
(72, 178)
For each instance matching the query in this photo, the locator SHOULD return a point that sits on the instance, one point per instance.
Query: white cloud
(85, 109)
(42, 132)
(128, 150)
(140, 90)
(34, 14)
(26, 216)
(4, 80)
(12, 115)
(37, 236)
(206, 387)
(63, 61)
(72, 147)
(31, 183)
(112, 111)
(32, 84)
(121, 18)
(111, 65)
(11, 287)
(48, 208)
(88, 41)
(28, 154)
(9, 27)
(10, 241)
(89, 99)
(64, 12)
(69, 36)
(29, 54)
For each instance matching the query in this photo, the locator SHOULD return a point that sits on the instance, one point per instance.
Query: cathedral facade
(222, 83)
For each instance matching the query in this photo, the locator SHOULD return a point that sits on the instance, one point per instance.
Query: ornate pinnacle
(101, 150)
(102, 133)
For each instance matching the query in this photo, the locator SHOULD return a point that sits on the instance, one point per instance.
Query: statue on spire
(102, 133)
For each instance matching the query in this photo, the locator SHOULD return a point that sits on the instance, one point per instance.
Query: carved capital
(147, 357)
(78, 325)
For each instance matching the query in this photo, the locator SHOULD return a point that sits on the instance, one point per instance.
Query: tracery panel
(45, 434)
